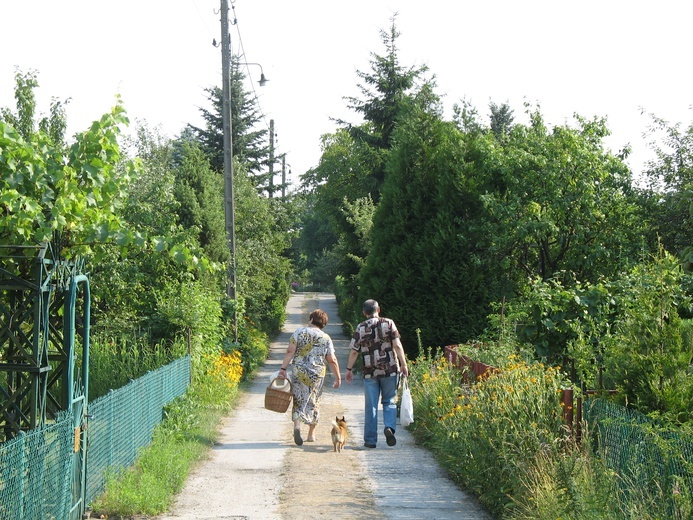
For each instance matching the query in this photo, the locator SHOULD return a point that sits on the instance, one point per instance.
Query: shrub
(486, 434)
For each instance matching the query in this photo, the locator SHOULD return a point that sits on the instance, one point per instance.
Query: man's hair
(318, 318)
(370, 307)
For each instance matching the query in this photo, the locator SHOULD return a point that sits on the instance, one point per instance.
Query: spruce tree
(249, 143)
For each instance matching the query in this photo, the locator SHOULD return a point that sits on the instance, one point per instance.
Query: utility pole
(283, 176)
(229, 203)
(271, 160)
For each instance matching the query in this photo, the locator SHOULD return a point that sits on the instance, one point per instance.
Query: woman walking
(310, 350)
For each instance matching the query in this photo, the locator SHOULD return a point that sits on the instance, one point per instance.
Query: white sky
(596, 57)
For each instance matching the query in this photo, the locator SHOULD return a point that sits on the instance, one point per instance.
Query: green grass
(114, 361)
(502, 439)
(180, 442)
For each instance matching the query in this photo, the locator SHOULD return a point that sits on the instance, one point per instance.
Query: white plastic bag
(406, 412)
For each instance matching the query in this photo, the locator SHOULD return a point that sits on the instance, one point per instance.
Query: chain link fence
(654, 464)
(35, 467)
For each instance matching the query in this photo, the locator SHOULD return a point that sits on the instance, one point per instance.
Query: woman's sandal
(297, 437)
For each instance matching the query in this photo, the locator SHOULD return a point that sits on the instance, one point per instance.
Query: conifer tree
(249, 145)
(384, 90)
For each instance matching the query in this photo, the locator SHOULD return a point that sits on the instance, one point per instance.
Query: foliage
(312, 246)
(336, 182)
(383, 91)
(51, 190)
(190, 311)
(248, 144)
(646, 357)
(558, 202)
(347, 306)
(501, 438)
(179, 442)
(264, 228)
(486, 434)
(426, 266)
(560, 321)
(670, 181)
(122, 280)
(501, 119)
(625, 334)
(23, 121)
(115, 361)
(199, 192)
(352, 164)
(253, 345)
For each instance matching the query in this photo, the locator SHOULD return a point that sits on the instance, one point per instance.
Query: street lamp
(263, 80)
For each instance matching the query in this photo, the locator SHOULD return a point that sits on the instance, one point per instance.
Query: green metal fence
(35, 466)
(651, 462)
(35, 472)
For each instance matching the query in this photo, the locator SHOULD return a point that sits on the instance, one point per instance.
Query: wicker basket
(278, 395)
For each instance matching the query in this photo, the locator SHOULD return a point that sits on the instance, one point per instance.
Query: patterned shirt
(312, 346)
(373, 339)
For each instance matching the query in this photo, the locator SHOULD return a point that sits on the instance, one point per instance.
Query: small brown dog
(339, 433)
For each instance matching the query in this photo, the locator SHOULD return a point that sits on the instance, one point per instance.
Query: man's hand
(349, 376)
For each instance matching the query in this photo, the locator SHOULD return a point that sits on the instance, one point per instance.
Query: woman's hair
(318, 318)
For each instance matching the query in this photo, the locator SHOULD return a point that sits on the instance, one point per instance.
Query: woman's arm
(334, 367)
(287, 359)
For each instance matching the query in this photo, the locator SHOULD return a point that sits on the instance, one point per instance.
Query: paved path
(246, 475)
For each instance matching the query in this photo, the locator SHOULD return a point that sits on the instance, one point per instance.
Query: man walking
(378, 341)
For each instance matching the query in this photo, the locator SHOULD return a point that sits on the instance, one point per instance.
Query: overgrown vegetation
(504, 439)
(146, 216)
(179, 442)
(521, 238)
(529, 243)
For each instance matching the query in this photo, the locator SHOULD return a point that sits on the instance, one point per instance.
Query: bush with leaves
(487, 433)
(646, 357)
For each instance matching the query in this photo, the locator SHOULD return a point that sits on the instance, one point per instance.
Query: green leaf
(160, 244)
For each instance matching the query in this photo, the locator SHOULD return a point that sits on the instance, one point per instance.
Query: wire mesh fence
(35, 467)
(35, 472)
(654, 464)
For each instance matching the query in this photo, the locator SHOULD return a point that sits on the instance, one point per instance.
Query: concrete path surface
(251, 469)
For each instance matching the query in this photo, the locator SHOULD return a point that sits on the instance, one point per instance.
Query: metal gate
(44, 349)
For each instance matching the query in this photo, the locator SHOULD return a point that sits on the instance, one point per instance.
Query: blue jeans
(385, 390)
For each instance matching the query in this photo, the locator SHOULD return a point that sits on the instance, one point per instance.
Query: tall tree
(427, 266)
(670, 183)
(560, 202)
(352, 165)
(199, 193)
(384, 89)
(249, 142)
(501, 118)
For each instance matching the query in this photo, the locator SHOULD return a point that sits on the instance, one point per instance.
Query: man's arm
(353, 355)
(399, 352)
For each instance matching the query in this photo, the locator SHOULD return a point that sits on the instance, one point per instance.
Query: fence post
(567, 400)
(578, 425)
